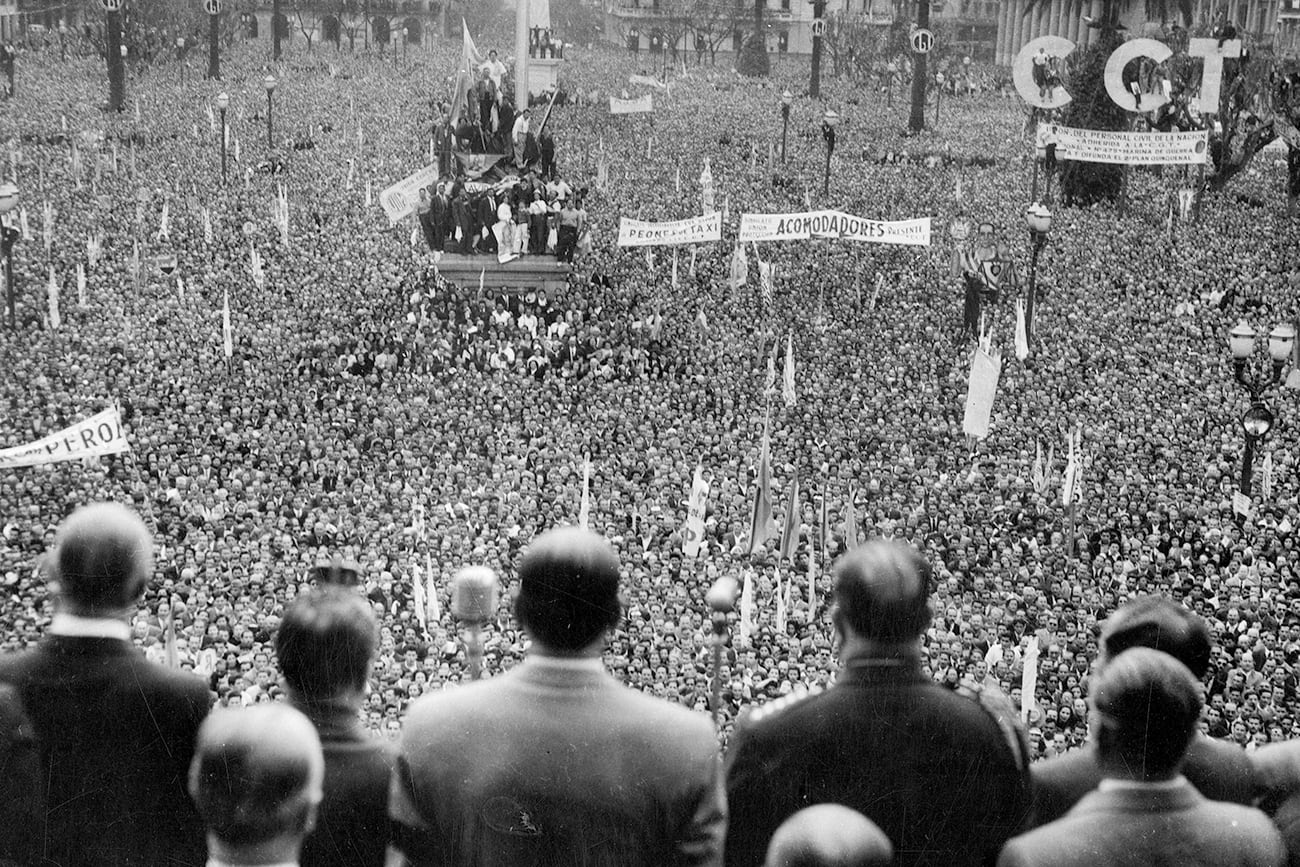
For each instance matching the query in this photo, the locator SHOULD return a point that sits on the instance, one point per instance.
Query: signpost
(213, 8)
(116, 62)
(922, 40)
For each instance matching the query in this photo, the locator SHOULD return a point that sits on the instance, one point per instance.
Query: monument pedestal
(543, 75)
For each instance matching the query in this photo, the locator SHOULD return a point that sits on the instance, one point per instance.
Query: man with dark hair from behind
(1219, 771)
(116, 731)
(1145, 710)
(325, 646)
(829, 835)
(557, 763)
(942, 775)
(256, 779)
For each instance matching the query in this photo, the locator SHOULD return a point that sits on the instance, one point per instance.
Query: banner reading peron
(101, 434)
(693, 230)
(833, 224)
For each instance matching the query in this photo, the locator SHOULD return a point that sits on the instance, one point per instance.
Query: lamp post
(223, 103)
(269, 83)
(721, 600)
(8, 237)
(406, 33)
(830, 120)
(1039, 219)
(1258, 419)
(786, 99)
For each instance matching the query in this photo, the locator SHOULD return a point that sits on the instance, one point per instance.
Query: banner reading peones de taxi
(101, 434)
(693, 230)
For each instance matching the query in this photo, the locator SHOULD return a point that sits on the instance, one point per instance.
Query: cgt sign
(1053, 48)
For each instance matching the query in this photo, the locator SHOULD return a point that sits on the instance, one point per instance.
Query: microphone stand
(474, 648)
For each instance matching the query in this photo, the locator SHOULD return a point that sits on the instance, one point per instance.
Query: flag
(1029, 679)
(180, 287)
(135, 259)
(812, 579)
(207, 226)
(212, 119)
(706, 188)
(826, 527)
(1038, 475)
(164, 222)
(985, 368)
(957, 193)
(761, 524)
(93, 250)
(255, 266)
(787, 376)
(470, 56)
(781, 611)
(431, 593)
(171, 654)
(1022, 334)
(678, 179)
(693, 534)
(739, 267)
(1070, 481)
(418, 598)
(674, 267)
(81, 285)
(584, 509)
(850, 523)
(352, 170)
(48, 226)
(747, 609)
(227, 335)
(769, 381)
(790, 535)
(1266, 478)
(52, 294)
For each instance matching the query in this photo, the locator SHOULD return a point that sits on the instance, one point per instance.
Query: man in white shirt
(257, 779)
(495, 69)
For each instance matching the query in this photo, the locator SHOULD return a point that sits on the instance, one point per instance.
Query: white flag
(212, 119)
(1029, 679)
(164, 222)
(207, 226)
(584, 509)
(787, 376)
(227, 335)
(81, 285)
(695, 509)
(1022, 338)
(52, 295)
(1070, 493)
(418, 598)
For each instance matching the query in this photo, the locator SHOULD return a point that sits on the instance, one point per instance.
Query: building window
(783, 42)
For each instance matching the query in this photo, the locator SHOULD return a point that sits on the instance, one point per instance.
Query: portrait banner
(693, 230)
(833, 224)
(1131, 148)
(101, 434)
(400, 199)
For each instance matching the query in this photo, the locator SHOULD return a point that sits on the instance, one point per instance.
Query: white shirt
(89, 627)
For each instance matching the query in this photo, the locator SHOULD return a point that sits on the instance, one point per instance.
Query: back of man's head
(1161, 624)
(326, 642)
(1146, 705)
(568, 589)
(102, 559)
(256, 780)
(882, 592)
(829, 835)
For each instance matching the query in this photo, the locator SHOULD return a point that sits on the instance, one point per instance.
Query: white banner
(833, 224)
(631, 106)
(400, 199)
(695, 510)
(646, 80)
(101, 434)
(1131, 148)
(693, 230)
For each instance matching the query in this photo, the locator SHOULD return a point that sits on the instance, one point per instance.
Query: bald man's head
(882, 591)
(102, 559)
(829, 835)
(257, 775)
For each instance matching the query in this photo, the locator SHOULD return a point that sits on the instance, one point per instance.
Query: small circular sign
(959, 229)
(819, 27)
(111, 5)
(212, 7)
(249, 229)
(922, 41)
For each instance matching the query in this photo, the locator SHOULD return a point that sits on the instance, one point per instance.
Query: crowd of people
(373, 412)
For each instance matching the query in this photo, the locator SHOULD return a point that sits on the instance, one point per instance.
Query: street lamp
(223, 103)
(721, 599)
(1039, 219)
(405, 35)
(8, 237)
(830, 120)
(1258, 419)
(786, 99)
(269, 83)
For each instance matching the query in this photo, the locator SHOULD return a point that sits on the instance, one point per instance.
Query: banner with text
(694, 230)
(101, 434)
(1131, 148)
(833, 224)
(631, 106)
(400, 199)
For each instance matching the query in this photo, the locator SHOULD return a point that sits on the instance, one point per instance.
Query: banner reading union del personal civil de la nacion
(693, 230)
(1131, 148)
(833, 224)
(101, 434)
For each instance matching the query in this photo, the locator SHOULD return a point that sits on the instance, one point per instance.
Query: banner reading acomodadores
(101, 434)
(1131, 148)
(833, 224)
(693, 230)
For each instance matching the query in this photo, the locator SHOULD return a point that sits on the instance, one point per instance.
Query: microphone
(474, 594)
(474, 600)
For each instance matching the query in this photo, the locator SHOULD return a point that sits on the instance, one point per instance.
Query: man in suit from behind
(1146, 706)
(116, 732)
(325, 646)
(256, 779)
(557, 763)
(1220, 771)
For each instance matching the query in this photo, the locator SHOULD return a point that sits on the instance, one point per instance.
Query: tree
(753, 54)
(714, 21)
(308, 19)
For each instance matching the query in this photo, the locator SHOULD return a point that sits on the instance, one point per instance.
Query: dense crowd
(373, 411)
